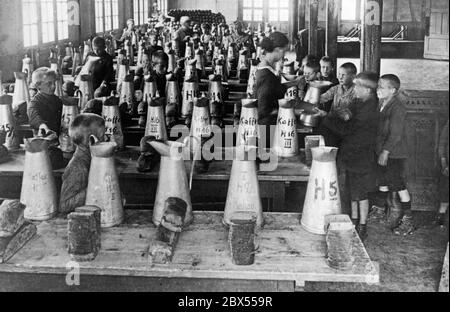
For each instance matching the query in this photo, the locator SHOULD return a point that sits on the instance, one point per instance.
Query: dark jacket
(391, 129)
(268, 91)
(180, 36)
(359, 134)
(103, 69)
(75, 181)
(45, 109)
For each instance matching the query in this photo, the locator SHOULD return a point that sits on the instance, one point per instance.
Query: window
(162, 6)
(106, 15)
(140, 8)
(349, 10)
(253, 10)
(44, 21)
(278, 10)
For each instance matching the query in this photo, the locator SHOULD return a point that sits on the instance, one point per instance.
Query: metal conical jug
(7, 122)
(172, 61)
(189, 53)
(216, 99)
(126, 94)
(286, 137)
(113, 122)
(243, 189)
(69, 112)
(141, 50)
(120, 58)
(86, 50)
(21, 93)
(173, 102)
(248, 131)
(59, 86)
(322, 195)
(129, 52)
(315, 90)
(156, 123)
(200, 63)
(292, 91)
(28, 68)
(38, 192)
(288, 68)
(103, 188)
(191, 71)
(150, 88)
(190, 91)
(77, 61)
(123, 71)
(251, 84)
(173, 180)
(219, 70)
(201, 122)
(85, 91)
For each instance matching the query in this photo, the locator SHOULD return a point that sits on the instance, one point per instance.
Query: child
(76, 176)
(326, 70)
(392, 155)
(142, 70)
(154, 47)
(443, 156)
(311, 72)
(45, 110)
(103, 72)
(160, 62)
(357, 152)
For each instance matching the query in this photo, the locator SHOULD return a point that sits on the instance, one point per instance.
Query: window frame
(56, 20)
(358, 13)
(113, 19)
(140, 11)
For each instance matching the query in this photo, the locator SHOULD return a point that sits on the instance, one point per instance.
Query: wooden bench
(286, 253)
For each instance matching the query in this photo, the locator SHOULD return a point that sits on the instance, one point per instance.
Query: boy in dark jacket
(103, 72)
(357, 153)
(392, 153)
(76, 176)
(45, 110)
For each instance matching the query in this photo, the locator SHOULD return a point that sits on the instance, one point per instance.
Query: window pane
(63, 31)
(284, 3)
(273, 3)
(99, 16)
(136, 11)
(284, 15)
(348, 10)
(47, 19)
(115, 5)
(247, 14)
(29, 21)
(257, 3)
(257, 15)
(247, 3)
(273, 15)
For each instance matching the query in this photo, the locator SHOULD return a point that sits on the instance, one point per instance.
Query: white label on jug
(291, 93)
(324, 189)
(112, 125)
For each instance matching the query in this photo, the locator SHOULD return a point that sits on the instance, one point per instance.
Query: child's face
(145, 60)
(385, 90)
(309, 73)
(47, 85)
(345, 77)
(160, 67)
(325, 68)
(153, 41)
(279, 53)
(99, 48)
(361, 92)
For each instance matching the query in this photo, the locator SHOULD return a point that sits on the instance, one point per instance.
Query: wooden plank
(301, 14)
(313, 24)
(10, 246)
(443, 285)
(371, 35)
(332, 30)
(286, 252)
(293, 20)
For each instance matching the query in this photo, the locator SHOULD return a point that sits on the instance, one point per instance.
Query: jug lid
(324, 153)
(157, 101)
(214, 77)
(86, 77)
(102, 149)
(201, 102)
(249, 103)
(320, 84)
(111, 101)
(20, 75)
(284, 103)
(129, 78)
(36, 145)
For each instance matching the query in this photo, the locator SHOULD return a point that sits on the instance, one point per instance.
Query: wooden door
(437, 38)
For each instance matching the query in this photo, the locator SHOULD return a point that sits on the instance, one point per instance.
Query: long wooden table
(286, 253)
(140, 188)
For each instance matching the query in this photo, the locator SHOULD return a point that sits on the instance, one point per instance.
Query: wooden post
(332, 30)
(293, 23)
(371, 21)
(301, 14)
(73, 21)
(313, 23)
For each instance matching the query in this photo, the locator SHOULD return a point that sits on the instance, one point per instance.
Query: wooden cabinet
(427, 114)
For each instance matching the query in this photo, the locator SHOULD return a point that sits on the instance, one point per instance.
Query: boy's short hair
(161, 56)
(309, 57)
(350, 67)
(393, 80)
(314, 64)
(40, 74)
(327, 59)
(82, 127)
(99, 41)
(368, 80)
